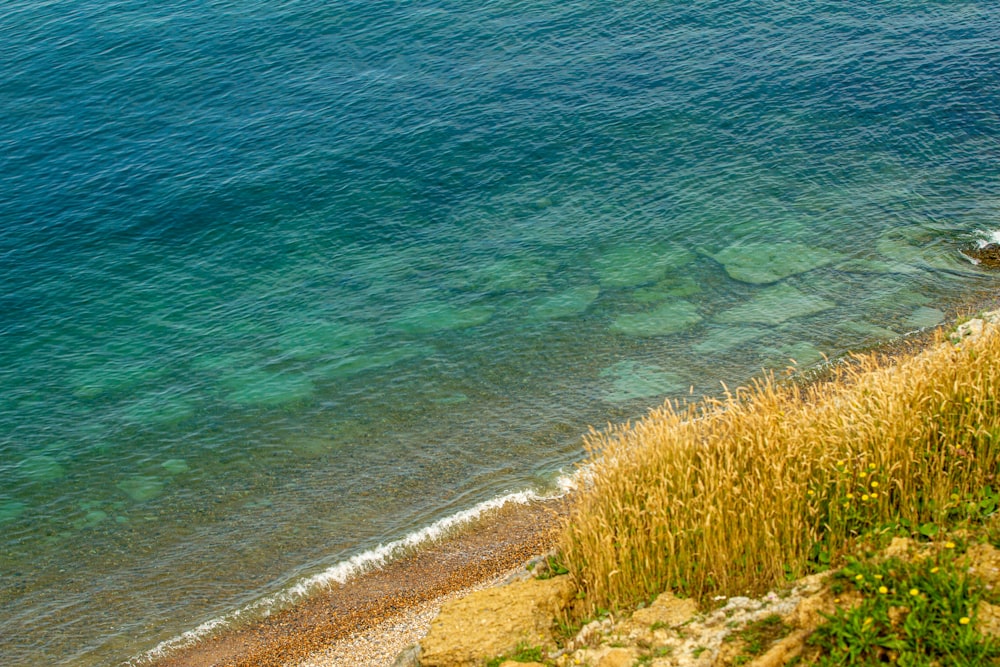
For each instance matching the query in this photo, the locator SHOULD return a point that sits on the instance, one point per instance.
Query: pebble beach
(367, 621)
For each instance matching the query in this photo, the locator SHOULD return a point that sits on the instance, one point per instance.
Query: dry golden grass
(732, 496)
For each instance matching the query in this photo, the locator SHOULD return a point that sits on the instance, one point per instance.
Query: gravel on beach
(369, 619)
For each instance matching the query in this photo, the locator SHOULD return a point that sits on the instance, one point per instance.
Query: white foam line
(352, 567)
(987, 236)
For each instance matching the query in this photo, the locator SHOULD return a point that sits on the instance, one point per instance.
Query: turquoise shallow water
(283, 281)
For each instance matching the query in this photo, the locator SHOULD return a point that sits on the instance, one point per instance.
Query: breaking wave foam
(352, 567)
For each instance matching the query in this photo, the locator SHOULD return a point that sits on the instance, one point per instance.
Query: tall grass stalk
(731, 496)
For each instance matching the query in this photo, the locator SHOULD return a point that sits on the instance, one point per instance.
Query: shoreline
(367, 620)
(360, 621)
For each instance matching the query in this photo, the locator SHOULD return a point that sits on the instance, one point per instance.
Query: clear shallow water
(283, 281)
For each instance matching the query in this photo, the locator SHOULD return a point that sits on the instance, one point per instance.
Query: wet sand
(369, 619)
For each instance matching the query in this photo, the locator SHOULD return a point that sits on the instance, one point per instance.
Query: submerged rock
(110, 378)
(360, 363)
(160, 408)
(774, 305)
(921, 248)
(670, 287)
(875, 266)
(666, 319)
(40, 468)
(453, 398)
(631, 379)
(570, 302)
(175, 466)
(225, 362)
(762, 263)
(802, 353)
(924, 318)
(11, 510)
(429, 318)
(308, 340)
(639, 264)
(90, 519)
(514, 274)
(986, 255)
(263, 388)
(866, 329)
(728, 338)
(141, 488)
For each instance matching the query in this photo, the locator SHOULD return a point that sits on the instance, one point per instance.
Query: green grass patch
(912, 613)
(758, 637)
(523, 653)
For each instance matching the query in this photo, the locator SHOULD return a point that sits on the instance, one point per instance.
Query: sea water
(281, 282)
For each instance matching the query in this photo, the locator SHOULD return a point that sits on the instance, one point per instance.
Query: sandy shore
(368, 620)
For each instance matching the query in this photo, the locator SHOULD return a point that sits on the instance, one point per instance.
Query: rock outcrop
(494, 621)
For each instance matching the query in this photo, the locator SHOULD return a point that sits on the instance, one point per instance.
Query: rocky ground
(521, 620)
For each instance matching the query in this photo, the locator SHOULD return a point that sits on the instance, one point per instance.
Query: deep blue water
(281, 281)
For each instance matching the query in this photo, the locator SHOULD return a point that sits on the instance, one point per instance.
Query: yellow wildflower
(914, 592)
(883, 590)
(964, 620)
(874, 484)
(949, 545)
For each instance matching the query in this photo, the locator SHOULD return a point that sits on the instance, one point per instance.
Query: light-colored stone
(899, 547)
(973, 329)
(784, 651)
(514, 663)
(618, 657)
(494, 621)
(408, 657)
(988, 619)
(592, 633)
(984, 562)
(808, 614)
(666, 611)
